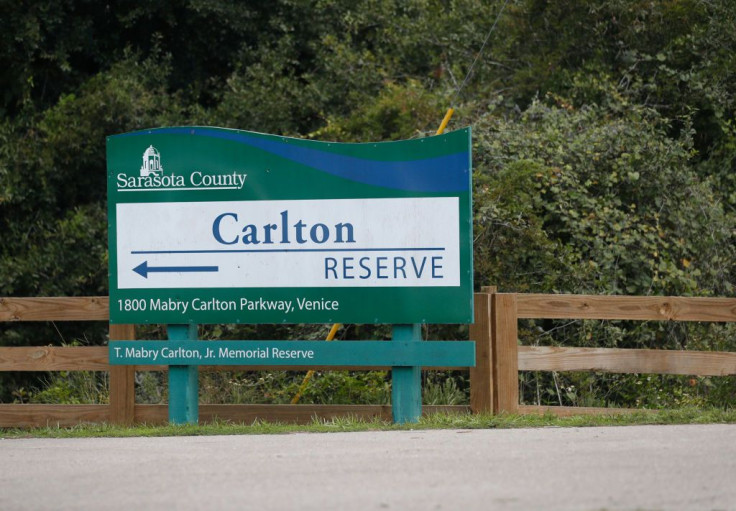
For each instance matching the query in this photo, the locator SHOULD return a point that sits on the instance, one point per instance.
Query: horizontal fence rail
(74, 308)
(637, 308)
(54, 358)
(612, 360)
(40, 415)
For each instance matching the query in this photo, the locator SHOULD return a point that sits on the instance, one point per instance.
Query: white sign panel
(289, 243)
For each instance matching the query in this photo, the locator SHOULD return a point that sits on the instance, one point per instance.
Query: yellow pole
(310, 373)
(445, 120)
(336, 326)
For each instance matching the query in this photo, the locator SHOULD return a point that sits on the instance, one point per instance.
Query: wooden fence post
(122, 381)
(481, 378)
(505, 353)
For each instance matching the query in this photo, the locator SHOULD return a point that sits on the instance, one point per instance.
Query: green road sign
(209, 225)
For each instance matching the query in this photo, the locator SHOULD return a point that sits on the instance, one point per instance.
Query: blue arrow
(143, 269)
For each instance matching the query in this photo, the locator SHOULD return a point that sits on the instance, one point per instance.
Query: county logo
(151, 177)
(151, 162)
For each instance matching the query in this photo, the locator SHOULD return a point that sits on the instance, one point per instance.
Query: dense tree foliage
(604, 135)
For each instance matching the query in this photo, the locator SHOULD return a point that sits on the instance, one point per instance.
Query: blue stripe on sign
(441, 174)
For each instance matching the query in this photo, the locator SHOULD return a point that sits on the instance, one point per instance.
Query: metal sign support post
(406, 384)
(183, 379)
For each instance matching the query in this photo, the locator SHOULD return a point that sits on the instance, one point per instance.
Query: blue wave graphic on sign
(425, 175)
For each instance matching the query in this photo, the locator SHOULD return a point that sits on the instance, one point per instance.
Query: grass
(348, 424)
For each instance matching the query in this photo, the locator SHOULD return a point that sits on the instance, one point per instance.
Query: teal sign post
(210, 225)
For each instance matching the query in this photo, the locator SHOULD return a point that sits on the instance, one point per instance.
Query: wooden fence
(122, 408)
(494, 382)
(497, 388)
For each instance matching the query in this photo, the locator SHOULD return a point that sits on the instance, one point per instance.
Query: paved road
(621, 468)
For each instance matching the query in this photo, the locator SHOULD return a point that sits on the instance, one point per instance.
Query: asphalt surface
(618, 468)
